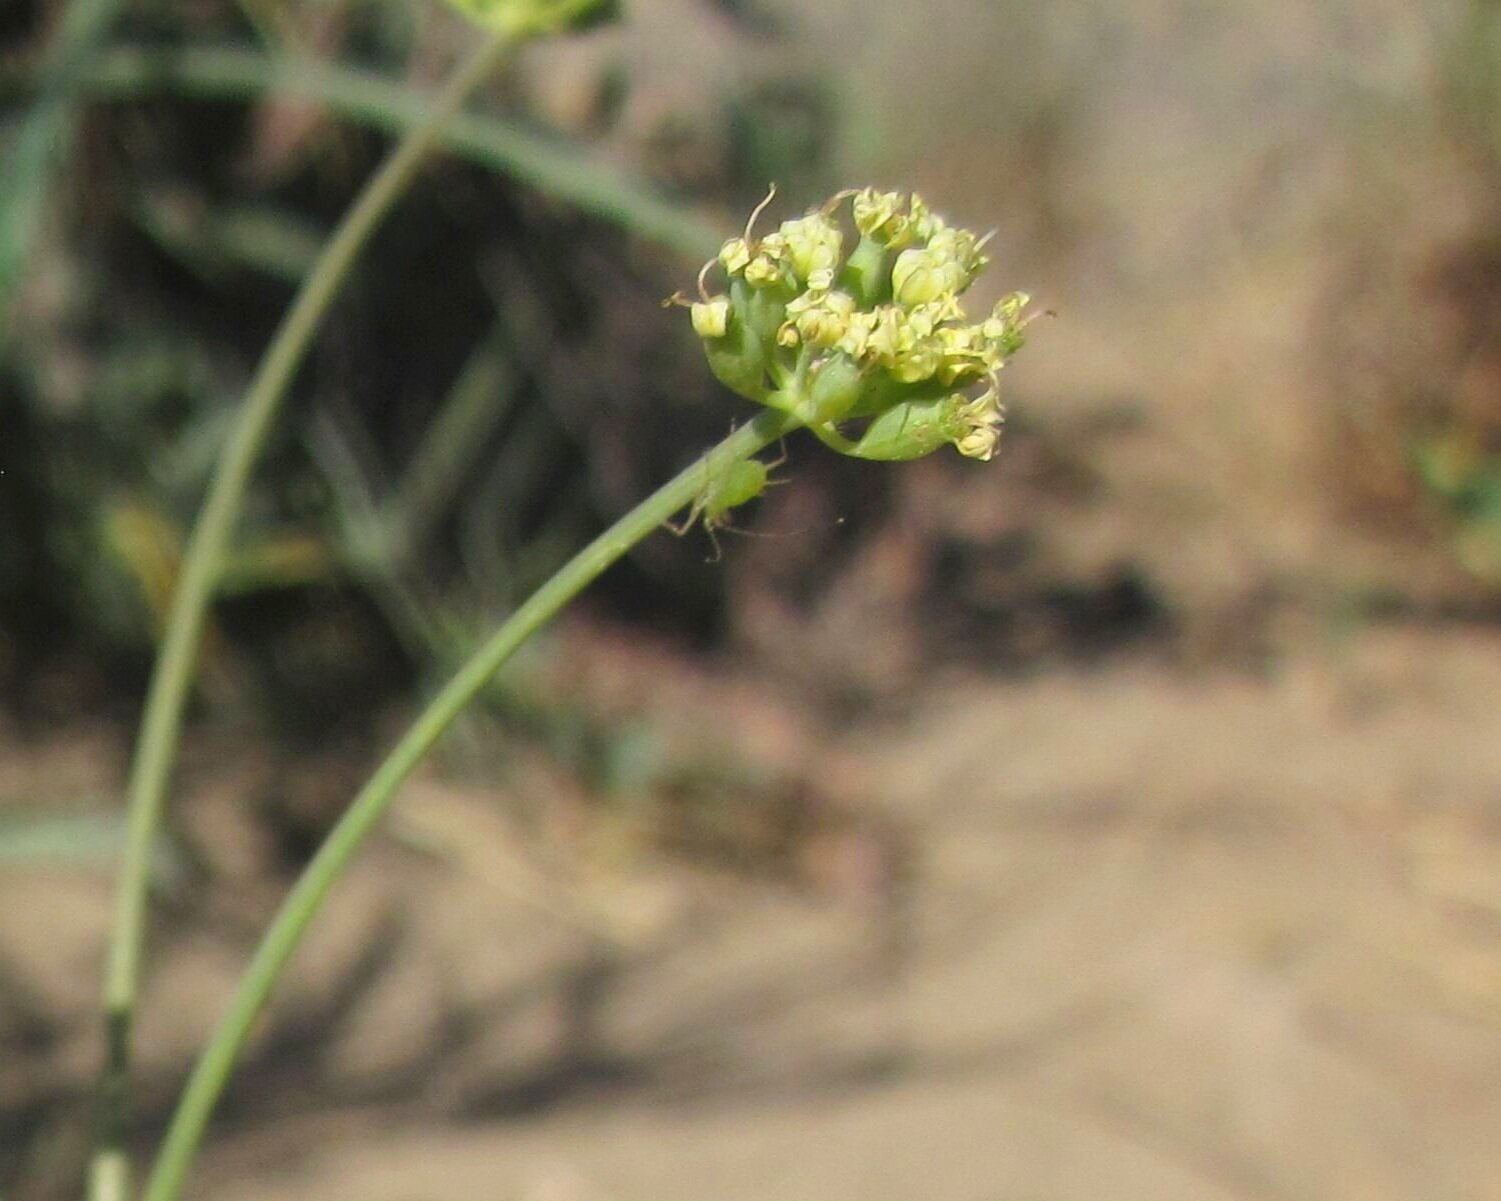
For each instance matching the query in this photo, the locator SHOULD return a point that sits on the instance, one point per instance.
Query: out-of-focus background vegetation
(1122, 818)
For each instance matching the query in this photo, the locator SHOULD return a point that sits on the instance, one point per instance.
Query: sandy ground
(1131, 932)
(1149, 936)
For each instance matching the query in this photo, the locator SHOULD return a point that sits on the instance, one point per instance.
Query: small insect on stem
(734, 486)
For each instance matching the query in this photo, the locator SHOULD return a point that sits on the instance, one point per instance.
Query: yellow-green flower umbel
(871, 350)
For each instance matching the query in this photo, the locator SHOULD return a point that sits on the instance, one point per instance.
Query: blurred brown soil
(1137, 933)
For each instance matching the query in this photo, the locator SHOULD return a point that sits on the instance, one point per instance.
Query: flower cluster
(873, 350)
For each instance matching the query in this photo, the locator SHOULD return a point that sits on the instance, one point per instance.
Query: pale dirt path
(1170, 938)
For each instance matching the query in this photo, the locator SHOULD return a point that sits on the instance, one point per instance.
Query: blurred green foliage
(1454, 445)
(467, 417)
(1466, 482)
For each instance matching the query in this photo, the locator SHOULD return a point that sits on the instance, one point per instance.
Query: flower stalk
(172, 677)
(286, 931)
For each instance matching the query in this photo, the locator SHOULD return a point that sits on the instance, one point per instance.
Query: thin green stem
(306, 898)
(171, 680)
(832, 438)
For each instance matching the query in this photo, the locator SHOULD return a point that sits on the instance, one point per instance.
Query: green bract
(873, 350)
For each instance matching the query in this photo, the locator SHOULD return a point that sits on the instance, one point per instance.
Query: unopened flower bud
(837, 385)
(921, 277)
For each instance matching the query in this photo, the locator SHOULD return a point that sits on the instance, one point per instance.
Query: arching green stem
(156, 746)
(306, 898)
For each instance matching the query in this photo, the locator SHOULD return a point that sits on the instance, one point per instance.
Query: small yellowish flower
(980, 443)
(879, 216)
(762, 272)
(819, 318)
(774, 246)
(1007, 312)
(986, 406)
(711, 318)
(923, 221)
(885, 337)
(734, 255)
(856, 334)
(960, 247)
(1004, 328)
(917, 361)
(965, 355)
(814, 244)
(924, 320)
(980, 426)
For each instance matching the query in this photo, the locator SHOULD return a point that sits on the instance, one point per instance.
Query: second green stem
(156, 746)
